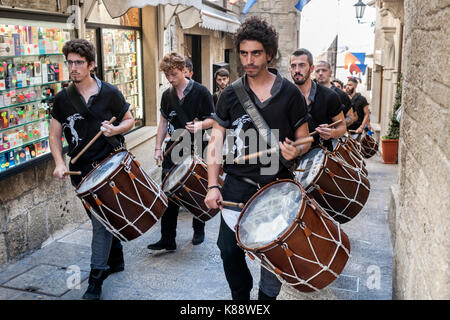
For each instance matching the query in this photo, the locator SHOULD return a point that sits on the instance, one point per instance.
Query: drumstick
(258, 154)
(300, 170)
(178, 139)
(75, 159)
(327, 126)
(72, 173)
(230, 204)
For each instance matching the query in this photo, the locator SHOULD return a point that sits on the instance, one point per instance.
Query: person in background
(359, 104)
(323, 76)
(222, 78)
(188, 68)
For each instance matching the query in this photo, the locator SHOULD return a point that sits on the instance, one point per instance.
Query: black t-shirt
(197, 103)
(79, 129)
(324, 106)
(344, 98)
(285, 111)
(358, 104)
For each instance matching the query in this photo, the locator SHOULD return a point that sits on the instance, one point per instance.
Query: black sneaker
(94, 289)
(161, 245)
(198, 238)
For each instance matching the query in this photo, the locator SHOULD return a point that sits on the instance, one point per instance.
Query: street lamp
(360, 7)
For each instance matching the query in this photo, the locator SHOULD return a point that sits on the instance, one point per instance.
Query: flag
(353, 58)
(248, 5)
(301, 3)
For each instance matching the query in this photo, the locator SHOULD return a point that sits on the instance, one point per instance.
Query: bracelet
(158, 149)
(212, 187)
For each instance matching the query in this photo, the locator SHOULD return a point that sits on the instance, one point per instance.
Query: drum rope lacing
(345, 166)
(105, 221)
(357, 162)
(202, 181)
(265, 262)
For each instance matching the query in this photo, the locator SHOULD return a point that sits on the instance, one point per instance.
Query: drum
(187, 185)
(339, 188)
(291, 236)
(369, 146)
(122, 196)
(345, 150)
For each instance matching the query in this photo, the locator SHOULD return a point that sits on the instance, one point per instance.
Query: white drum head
(311, 164)
(101, 172)
(270, 214)
(177, 174)
(334, 143)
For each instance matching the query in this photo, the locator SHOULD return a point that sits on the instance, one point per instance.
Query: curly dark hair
(82, 47)
(255, 28)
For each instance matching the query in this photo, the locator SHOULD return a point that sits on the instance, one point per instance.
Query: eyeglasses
(76, 63)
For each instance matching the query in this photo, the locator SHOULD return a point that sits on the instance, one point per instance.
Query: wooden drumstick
(258, 154)
(75, 159)
(178, 140)
(231, 204)
(72, 173)
(327, 126)
(300, 170)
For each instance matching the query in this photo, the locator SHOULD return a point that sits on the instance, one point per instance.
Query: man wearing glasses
(79, 112)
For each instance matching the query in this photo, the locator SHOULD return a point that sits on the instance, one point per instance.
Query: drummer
(78, 113)
(323, 104)
(283, 108)
(323, 74)
(185, 101)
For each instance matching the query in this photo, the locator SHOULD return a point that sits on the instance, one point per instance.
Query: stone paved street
(195, 272)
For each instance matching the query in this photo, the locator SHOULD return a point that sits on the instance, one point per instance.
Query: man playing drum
(360, 105)
(283, 108)
(323, 77)
(185, 101)
(79, 112)
(323, 104)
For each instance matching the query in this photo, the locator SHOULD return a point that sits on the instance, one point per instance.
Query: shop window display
(32, 71)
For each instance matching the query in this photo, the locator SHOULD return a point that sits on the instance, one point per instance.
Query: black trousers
(170, 217)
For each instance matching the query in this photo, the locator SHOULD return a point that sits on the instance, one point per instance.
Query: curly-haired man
(283, 108)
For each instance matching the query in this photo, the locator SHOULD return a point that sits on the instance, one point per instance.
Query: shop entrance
(193, 50)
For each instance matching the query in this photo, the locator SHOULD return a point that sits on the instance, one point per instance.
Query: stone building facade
(421, 201)
(387, 61)
(283, 15)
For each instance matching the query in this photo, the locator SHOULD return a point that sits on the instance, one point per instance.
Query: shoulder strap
(79, 106)
(259, 122)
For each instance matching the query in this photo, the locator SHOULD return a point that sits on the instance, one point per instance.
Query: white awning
(117, 8)
(218, 20)
(208, 18)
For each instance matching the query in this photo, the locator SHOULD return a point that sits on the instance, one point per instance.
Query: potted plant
(389, 142)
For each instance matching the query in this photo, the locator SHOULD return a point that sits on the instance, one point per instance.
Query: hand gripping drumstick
(230, 204)
(258, 154)
(296, 143)
(90, 143)
(327, 126)
(177, 141)
(72, 173)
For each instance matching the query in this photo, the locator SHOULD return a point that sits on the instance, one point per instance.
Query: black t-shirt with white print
(197, 102)
(79, 129)
(285, 111)
(324, 106)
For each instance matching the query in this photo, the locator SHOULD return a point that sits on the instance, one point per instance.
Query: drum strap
(79, 106)
(259, 122)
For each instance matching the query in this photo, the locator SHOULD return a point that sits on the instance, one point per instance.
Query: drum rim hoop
(114, 172)
(273, 243)
(196, 161)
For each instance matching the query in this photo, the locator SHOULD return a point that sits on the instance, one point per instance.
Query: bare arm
(56, 148)
(160, 135)
(365, 120)
(214, 162)
(350, 117)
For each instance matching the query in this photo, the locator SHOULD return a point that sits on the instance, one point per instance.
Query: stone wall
(283, 15)
(33, 207)
(422, 246)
